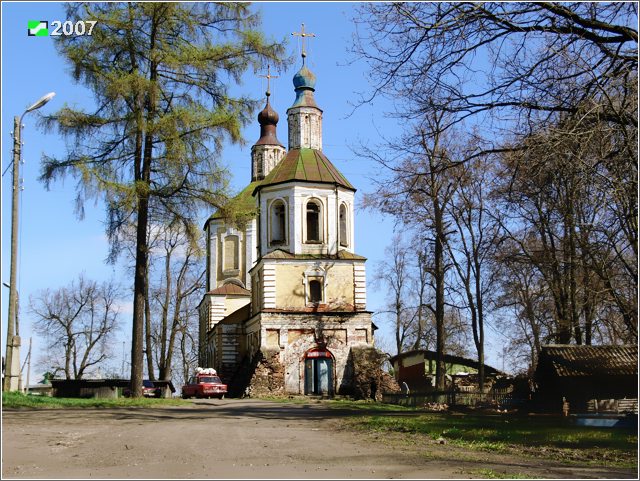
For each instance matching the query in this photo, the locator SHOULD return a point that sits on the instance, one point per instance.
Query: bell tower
(304, 116)
(268, 150)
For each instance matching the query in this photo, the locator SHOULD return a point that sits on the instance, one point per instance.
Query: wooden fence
(501, 397)
(618, 406)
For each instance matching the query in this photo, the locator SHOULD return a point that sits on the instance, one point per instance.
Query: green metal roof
(242, 205)
(305, 165)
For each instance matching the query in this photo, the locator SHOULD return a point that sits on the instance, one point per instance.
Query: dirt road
(240, 439)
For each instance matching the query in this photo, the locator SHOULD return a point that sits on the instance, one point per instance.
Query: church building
(285, 307)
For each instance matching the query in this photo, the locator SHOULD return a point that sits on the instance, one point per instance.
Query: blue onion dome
(304, 83)
(304, 79)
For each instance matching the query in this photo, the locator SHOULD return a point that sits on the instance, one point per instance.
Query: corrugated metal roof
(230, 290)
(342, 254)
(305, 165)
(577, 361)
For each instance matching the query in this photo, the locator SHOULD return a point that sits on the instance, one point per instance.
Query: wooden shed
(588, 378)
(88, 388)
(417, 368)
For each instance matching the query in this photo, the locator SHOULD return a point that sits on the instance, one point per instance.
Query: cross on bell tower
(268, 77)
(302, 34)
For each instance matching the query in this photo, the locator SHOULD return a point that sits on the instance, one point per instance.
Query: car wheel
(221, 396)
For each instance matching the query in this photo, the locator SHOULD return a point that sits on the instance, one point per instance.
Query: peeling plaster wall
(298, 333)
(290, 287)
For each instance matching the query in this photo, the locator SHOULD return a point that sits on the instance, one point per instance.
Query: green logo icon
(38, 28)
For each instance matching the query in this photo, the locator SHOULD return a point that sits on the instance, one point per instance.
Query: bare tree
(517, 61)
(423, 332)
(188, 342)
(419, 187)
(550, 91)
(77, 323)
(526, 305)
(393, 275)
(560, 208)
(178, 278)
(472, 247)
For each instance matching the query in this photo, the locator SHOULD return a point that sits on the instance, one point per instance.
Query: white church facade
(285, 307)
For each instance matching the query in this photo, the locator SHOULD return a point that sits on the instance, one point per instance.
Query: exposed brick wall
(268, 376)
(369, 380)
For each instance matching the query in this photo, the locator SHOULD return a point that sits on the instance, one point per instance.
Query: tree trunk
(142, 249)
(147, 326)
(139, 290)
(439, 280)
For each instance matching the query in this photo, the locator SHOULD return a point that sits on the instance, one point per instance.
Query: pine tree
(161, 77)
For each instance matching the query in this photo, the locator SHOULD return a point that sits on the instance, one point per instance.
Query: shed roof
(582, 361)
(305, 165)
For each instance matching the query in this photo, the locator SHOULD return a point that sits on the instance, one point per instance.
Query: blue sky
(55, 246)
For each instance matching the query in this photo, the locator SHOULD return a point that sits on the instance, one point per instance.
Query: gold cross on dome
(268, 77)
(302, 34)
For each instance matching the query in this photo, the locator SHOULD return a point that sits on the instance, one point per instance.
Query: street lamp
(12, 361)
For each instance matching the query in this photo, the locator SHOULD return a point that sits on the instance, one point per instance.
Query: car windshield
(214, 379)
(147, 383)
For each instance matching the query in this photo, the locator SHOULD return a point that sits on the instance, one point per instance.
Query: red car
(204, 385)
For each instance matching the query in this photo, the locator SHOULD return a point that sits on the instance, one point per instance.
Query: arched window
(231, 260)
(278, 223)
(314, 218)
(344, 238)
(315, 291)
(259, 166)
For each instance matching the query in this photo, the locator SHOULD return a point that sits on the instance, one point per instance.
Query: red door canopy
(317, 352)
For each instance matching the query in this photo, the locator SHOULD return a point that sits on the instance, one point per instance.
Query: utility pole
(12, 364)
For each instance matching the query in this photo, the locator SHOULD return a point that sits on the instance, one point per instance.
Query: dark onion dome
(305, 165)
(268, 120)
(268, 116)
(304, 83)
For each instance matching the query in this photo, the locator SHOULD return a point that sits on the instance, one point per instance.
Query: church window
(315, 291)
(344, 238)
(278, 223)
(314, 219)
(259, 166)
(315, 284)
(231, 261)
(307, 131)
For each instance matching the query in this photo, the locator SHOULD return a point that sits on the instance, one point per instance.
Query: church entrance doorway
(318, 372)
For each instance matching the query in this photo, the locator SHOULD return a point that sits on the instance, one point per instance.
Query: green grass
(529, 431)
(360, 405)
(491, 474)
(19, 400)
(545, 437)
(532, 436)
(366, 406)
